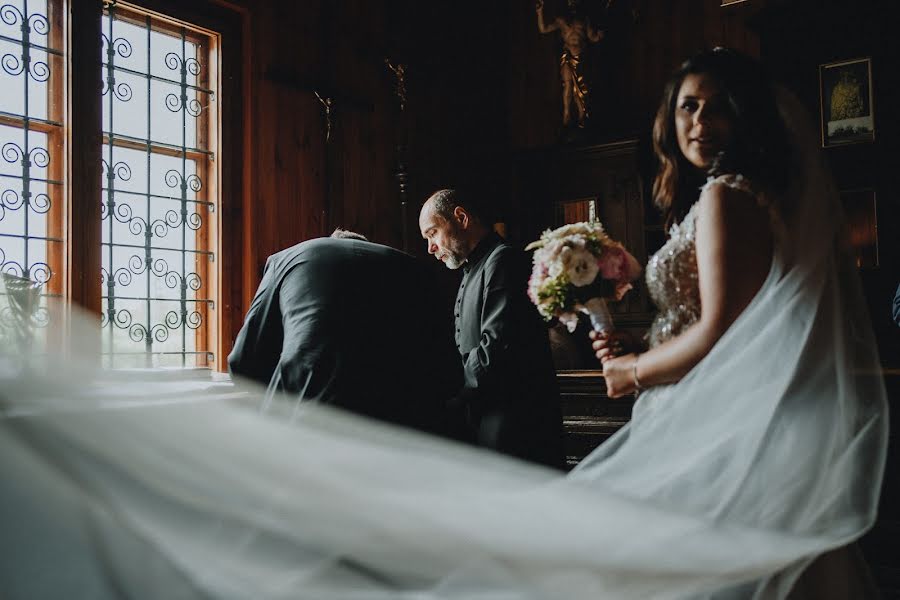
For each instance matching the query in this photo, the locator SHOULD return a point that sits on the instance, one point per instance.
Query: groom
(509, 398)
(347, 322)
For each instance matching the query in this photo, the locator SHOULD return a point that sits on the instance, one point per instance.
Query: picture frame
(846, 102)
(861, 218)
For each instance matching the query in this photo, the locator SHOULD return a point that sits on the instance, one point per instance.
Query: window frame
(198, 262)
(85, 152)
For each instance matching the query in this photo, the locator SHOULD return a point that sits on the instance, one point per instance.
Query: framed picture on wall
(861, 215)
(845, 94)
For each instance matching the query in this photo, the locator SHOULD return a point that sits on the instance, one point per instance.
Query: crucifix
(399, 71)
(327, 103)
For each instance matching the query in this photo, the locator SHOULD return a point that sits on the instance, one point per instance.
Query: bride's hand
(619, 375)
(610, 345)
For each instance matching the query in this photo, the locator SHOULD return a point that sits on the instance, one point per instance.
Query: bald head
(449, 228)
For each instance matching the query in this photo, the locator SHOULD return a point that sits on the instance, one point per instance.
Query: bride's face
(702, 121)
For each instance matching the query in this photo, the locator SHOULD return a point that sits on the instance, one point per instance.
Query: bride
(746, 350)
(756, 445)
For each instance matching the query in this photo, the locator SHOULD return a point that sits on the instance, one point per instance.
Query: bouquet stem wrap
(598, 313)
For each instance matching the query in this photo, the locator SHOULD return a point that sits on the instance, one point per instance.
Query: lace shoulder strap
(734, 181)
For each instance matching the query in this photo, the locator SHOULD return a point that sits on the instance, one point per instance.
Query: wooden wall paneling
(235, 183)
(365, 193)
(289, 127)
(811, 33)
(338, 50)
(534, 93)
(84, 160)
(235, 220)
(458, 105)
(85, 119)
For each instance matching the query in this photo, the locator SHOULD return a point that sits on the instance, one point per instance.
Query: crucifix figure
(399, 71)
(328, 103)
(576, 31)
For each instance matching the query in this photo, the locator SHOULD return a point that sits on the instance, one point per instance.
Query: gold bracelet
(637, 382)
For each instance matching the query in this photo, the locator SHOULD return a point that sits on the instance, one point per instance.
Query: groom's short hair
(346, 234)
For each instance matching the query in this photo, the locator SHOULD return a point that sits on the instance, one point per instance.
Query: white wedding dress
(725, 485)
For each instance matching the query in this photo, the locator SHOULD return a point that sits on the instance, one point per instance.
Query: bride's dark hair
(758, 149)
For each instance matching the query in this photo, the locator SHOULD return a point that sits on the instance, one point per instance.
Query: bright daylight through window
(159, 179)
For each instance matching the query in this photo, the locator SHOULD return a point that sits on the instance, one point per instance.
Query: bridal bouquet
(577, 268)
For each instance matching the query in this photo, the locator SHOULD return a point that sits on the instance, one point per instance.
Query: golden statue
(576, 31)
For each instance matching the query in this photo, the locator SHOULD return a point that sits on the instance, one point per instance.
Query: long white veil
(149, 485)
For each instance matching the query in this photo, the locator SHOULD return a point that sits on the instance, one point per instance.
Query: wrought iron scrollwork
(37, 271)
(138, 332)
(174, 179)
(184, 66)
(120, 318)
(120, 170)
(123, 212)
(119, 46)
(121, 90)
(192, 106)
(30, 62)
(192, 182)
(37, 156)
(154, 269)
(35, 22)
(172, 320)
(16, 65)
(12, 200)
(121, 276)
(175, 102)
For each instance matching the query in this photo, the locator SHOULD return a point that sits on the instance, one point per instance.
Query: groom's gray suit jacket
(352, 324)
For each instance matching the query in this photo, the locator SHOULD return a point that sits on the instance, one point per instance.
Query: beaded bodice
(672, 281)
(672, 273)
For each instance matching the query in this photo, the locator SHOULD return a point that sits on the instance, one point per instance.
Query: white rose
(582, 268)
(561, 261)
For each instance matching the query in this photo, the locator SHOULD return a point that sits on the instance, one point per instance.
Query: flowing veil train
(725, 485)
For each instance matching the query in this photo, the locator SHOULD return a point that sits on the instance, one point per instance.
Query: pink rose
(616, 264)
(612, 263)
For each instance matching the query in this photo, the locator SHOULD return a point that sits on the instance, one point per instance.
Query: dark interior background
(483, 105)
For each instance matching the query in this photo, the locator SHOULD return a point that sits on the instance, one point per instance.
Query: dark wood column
(84, 126)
